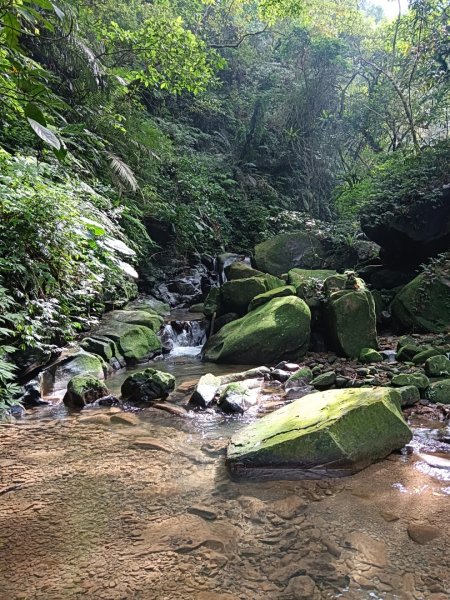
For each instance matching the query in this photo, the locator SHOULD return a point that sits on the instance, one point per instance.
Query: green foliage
(401, 179)
(61, 257)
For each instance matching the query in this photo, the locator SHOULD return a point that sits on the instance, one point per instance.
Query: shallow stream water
(91, 507)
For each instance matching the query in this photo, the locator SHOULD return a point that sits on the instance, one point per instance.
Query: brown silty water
(100, 505)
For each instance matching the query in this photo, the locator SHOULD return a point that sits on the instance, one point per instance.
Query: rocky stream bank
(284, 369)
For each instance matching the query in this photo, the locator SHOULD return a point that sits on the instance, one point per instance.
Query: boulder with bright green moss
(369, 355)
(419, 380)
(300, 377)
(351, 321)
(136, 343)
(137, 317)
(422, 356)
(278, 330)
(324, 380)
(423, 304)
(409, 395)
(57, 376)
(437, 366)
(287, 251)
(280, 292)
(439, 392)
(147, 385)
(149, 304)
(235, 296)
(326, 434)
(83, 390)
(241, 270)
(101, 346)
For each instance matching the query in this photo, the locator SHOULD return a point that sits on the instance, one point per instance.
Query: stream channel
(95, 508)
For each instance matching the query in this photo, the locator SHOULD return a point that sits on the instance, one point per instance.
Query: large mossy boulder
(137, 317)
(351, 321)
(241, 270)
(136, 343)
(326, 434)
(280, 292)
(287, 251)
(57, 376)
(278, 330)
(147, 385)
(236, 295)
(149, 304)
(83, 390)
(423, 305)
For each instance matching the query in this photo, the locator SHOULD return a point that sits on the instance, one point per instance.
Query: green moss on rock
(420, 381)
(241, 270)
(423, 305)
(409, 395)
(276, 331)
(147, 385)
(439, 392)
(324, 381)
(286, 251)
(280, 292)
(83, 390)
(137, 317)
(437, 366)
(369, 355)
(332, 433)
(351, 321)
(135, 342)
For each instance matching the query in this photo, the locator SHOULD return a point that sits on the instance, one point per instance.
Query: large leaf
(45, 134)
(33, 111)
(128, 269)
(118, 245)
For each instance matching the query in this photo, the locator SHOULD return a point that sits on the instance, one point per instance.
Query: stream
(92, 506)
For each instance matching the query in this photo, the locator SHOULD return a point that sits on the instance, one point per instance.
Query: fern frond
(123, 171)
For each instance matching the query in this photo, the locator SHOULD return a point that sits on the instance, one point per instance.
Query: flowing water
(98, 508)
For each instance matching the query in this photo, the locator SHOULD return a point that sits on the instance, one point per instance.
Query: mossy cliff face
(332, 433)
(423, 305)
(275, 331)
(286, 251)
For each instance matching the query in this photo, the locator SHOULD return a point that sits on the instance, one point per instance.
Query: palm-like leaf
(123, 171)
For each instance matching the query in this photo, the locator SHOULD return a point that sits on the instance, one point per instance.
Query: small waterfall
(184, 338)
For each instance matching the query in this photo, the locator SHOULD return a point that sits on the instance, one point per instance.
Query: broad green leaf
(45, 134)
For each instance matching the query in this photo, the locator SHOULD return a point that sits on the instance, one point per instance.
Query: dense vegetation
(225, 121)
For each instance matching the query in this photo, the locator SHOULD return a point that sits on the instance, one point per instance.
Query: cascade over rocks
(332, 433)
(273, 332)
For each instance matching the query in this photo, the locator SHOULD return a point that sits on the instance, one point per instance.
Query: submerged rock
(275, 331)
(148, 385)
(83, 390)
(327, 434)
